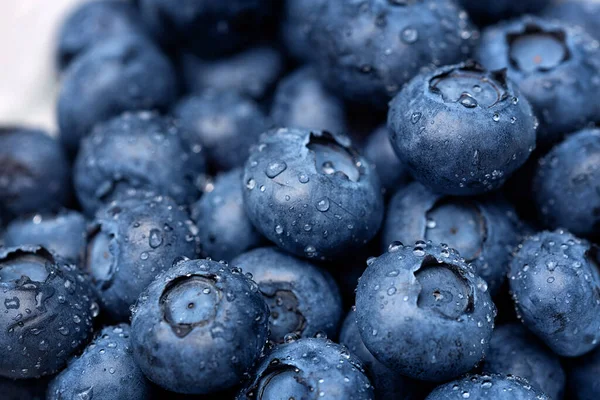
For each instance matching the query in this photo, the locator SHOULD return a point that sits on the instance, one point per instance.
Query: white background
(28, 79)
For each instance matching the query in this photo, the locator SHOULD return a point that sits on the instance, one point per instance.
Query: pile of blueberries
(309, 199)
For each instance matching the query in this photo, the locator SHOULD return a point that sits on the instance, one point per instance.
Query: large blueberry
(378, 150)
(555, 66)
(224, 230)
(565, 186)
(387, 383)
(225, 123)
(302, 101)
(94, 22)
(422, 311)
(136, 151)
(105, 370)
(48, 312)
(555, 284)
(207, 27)
(583, 377)
(252, 72)
(199, 327)
(130, 242)
(515, 351)
(63, 233)
(483, 230)
(303, 299)
(34, 172)
(122, 74)
(311, 368)
(311, 193)
(484, 387)
(462, 130)
(488, 11)
(585, 13)
(365, 51)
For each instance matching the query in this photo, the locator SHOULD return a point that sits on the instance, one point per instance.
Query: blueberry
(483, 230)
(564, 186)
(303, 299)
(224, 229)
(130, 242)
(122, 74)
(225, 123)
(252, 72)
(483, 387)
(206, 27)
(48, 312)
(136, 151)
(585, 13)
(62, 233)
(387, 384)
(486, 12)
(366, 51)
(311, 368)
(378, 149)
(542, 58)
(311, 193)
(515, 351)
(199, 327)
(34, 176)
(423, 313)
(299, 19)
(583, 377)
(461, 130)
(302, 101)
(94, 22)
(555, 285)
(105, 370)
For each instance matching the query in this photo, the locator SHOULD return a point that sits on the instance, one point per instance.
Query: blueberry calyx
(537, 49)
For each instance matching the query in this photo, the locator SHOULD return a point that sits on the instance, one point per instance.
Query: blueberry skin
(583, 377)
(206, 27)
(199, 327)
(224, 229)
(310, 193)
(302, 101)
(486, 12)
(387, 384)
(483, 230)
(63, 233)
(457, 139)
(299, 18)
(252, 72)
(585, 13)
(129, 243)
(564, 185)
(122, 74)
(49, 310)
(136, 151)
(515, 351)
(225, 123)
(35, 172)
(481, 387)
(391, 171)
(304, 300)
(423, 313)
(554, 283)
(366, 51)
(562, 104)
(105, 370)
(311, 369)
(94, 22)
